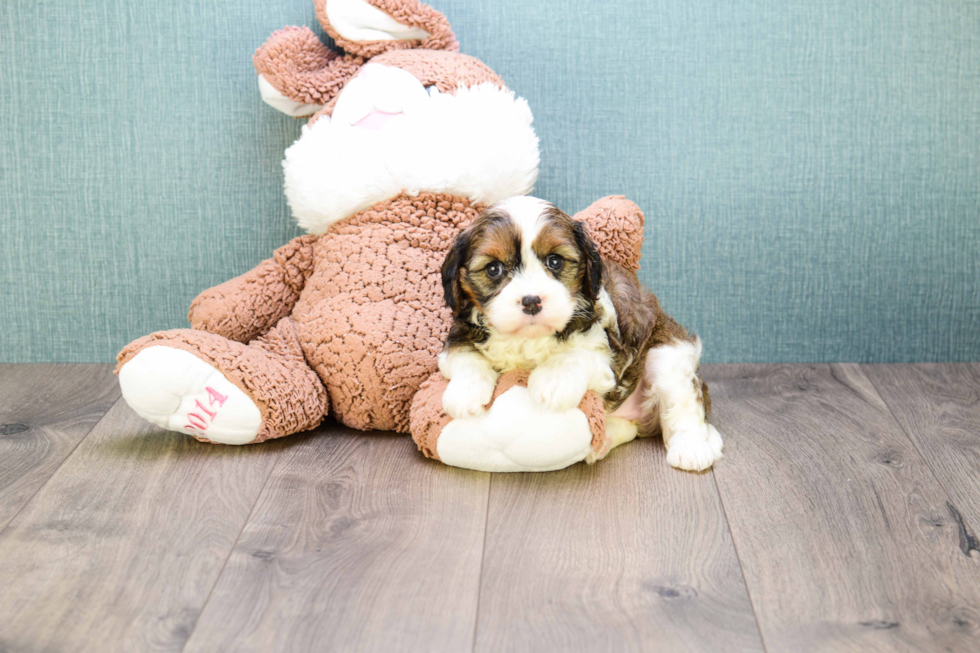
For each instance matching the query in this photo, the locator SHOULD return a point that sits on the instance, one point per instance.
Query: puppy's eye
(554, 262)
(494, 269)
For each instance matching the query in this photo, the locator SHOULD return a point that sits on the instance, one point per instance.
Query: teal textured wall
(810, 170)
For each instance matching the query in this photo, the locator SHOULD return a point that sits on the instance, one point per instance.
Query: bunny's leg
(219, 390)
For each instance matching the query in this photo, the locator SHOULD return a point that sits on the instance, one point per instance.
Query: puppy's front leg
(560, 383)
(675, 392)
(471, 382)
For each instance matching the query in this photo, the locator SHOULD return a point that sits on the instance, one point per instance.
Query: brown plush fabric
(411, 13)
(616, 227)
(594, 409)
(428, 418)
(300, 67)
(271, 370)
(447, 71)
(372, 317)
(245, 307)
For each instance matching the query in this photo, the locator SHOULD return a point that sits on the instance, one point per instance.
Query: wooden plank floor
(843, 518)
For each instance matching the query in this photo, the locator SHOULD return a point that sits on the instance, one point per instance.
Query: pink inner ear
(377, 119)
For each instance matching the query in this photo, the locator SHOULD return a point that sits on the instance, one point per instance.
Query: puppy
(528, 290)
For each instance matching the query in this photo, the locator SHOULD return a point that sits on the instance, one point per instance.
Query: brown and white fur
(528, 290)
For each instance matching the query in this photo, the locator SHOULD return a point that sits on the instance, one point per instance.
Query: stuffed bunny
(407, 141)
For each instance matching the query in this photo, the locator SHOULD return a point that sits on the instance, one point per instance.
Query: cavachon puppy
(528, 290)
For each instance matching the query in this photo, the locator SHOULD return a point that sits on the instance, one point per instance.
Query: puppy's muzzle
(531, 304)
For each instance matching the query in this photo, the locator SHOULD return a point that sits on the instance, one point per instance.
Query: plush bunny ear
(615, 225)
(369, 27)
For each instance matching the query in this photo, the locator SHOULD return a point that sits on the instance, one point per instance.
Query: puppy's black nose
(531, 304)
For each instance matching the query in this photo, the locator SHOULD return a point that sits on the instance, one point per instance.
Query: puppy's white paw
(694, 451)
(467, 395)
(557, 388)
(714, 439)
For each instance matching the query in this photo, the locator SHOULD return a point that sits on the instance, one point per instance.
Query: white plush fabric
(177, 391)
(356, 20)
(516, 435)
(477, 144)
(279, 102)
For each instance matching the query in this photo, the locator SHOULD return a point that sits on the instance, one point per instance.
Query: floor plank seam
(908, 436)
(483, 557)
(71, 453)
(961, 526)
(231, 551)
(741, 567)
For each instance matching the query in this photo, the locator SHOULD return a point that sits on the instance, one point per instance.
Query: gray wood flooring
(843, 518)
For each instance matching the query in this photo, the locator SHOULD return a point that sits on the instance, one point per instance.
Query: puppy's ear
(592, 280)
(450, 271)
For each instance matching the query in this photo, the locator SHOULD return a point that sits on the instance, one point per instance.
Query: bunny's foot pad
(177, 391)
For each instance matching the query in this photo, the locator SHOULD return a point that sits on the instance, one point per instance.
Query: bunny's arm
(248, 306)
(298, 74)
(615, 225)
